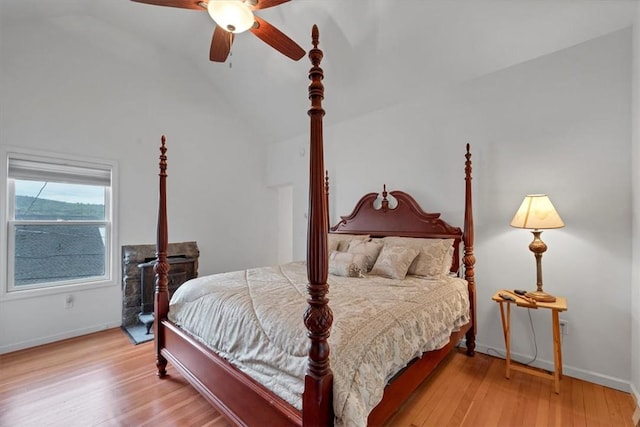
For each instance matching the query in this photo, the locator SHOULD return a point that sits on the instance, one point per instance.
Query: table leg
(559, 346)
(557, 351)
(506, 329)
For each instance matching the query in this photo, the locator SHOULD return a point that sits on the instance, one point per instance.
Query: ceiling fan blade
(277, 39)
(265, 4)
(183, 4)
(220, 45)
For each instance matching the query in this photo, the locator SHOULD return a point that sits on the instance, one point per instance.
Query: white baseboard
(57, 337)
(592, 377)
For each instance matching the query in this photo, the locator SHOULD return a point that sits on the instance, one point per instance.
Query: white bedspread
(254, 319)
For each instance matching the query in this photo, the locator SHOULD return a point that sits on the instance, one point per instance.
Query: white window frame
(54, 164)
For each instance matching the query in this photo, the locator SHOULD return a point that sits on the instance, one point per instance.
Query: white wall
(635, 275)
(288, 166)
(559, 124)
(64, 87)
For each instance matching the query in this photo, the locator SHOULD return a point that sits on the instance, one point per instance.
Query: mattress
(254, 319)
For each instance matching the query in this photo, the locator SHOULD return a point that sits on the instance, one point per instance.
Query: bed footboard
(238, 397)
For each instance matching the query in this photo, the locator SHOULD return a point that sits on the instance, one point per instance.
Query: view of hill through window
(30, 208)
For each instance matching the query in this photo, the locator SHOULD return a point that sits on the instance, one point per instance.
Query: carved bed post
(161, 268)
(317, 400)
(469, 259)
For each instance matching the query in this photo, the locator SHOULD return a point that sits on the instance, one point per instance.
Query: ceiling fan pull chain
(230, 50)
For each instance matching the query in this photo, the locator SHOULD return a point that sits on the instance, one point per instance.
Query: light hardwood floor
(103, 380)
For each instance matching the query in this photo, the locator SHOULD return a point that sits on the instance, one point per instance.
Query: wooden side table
(556, 307)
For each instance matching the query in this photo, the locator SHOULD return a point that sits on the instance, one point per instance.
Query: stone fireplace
(136, 271)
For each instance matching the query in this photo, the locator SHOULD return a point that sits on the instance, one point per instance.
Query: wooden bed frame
(240, 398)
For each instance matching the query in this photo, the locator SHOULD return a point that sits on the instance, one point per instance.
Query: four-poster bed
(245, 400)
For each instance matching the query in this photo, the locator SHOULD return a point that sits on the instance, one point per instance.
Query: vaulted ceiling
(377, 52)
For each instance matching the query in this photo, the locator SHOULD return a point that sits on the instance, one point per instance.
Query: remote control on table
(506, 297)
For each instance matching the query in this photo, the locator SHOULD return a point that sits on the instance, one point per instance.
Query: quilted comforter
(254, 319)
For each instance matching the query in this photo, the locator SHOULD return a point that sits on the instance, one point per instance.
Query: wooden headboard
(405, 219)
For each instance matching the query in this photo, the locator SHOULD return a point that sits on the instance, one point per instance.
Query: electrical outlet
(564, 327)
(68, 301)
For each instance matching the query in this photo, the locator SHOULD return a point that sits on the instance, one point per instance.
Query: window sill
(53, 290)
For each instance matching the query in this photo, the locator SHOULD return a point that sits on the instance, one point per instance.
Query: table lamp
(537, 213)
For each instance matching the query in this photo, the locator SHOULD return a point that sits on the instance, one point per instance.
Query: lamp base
(541, 296)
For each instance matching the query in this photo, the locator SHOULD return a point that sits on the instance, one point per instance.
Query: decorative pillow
(432, 259)
(346, 264)
(370, 250)
(394, 261)
(448, 261)
(340, 242)
(332, 242)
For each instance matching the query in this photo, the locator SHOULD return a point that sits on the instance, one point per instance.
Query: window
(59, 222)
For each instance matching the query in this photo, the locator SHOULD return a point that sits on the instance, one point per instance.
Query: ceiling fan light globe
(232, 15)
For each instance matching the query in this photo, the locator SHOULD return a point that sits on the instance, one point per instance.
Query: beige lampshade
(537, 212)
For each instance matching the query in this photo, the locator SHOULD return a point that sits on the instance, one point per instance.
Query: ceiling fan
(236, 16)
